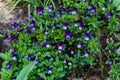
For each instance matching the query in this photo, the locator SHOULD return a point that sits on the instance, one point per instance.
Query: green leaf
(116, 3)
(118, 9)
(3, 56)
(1, 36)
(25, 71)
(117, 44)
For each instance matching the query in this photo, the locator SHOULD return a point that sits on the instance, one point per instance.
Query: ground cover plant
(62, 39)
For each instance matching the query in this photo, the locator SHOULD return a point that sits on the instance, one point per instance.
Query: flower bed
(57, 43)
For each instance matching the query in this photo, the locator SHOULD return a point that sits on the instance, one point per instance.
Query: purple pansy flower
(110, 62)
(68, 35)
(65, 25)
(86, 53)
(52, 59)
(46, 44)
(57, 24)
(60, 45)
(81, 25)
(8, 65)
(72, 51)
(50, 8)
(87, 16)
(110, 14)
(92, 8)
(31, 57)
(80, 44)
(46, 31)
(50, 70)
(40, 10)
(70, 63)
(36, 61)
(14, 57)
(13, 25)
(35, 44)
(32, 25)
(74, 11)
(27, 30)
(87, 36)
(104, 6)
(65, 62)
(58, 14)
(60, 51)
(40, 79)
(76, 23)
(13, 51)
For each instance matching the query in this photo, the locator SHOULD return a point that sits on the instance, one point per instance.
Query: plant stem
(98, 33)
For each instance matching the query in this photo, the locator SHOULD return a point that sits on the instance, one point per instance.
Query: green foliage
(114, 72)
(49, 59)
(23, 75)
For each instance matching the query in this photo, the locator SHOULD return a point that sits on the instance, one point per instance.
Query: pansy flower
(65, 25)
(110, 62)
(57, 25)
(87, 16)
(60, 51)
(50, 8)
(13, 51)
(27, 30)
(87, 36)
(68, 35)
(81, 25)
(104, 6)
(40, 11)
(14, 57)
(52, 59)
(65, 62)
(8, 65)
(92, 8)
(60, 45)
(74, 11)
(35, 44)
(110, 14)
(31, 57)
(36, 61)
(70, 63)
(76, 23)
(72, 51)
(80, 44)
(46, 44)
(46, 31)
(49, 71)
(32, 25)
(58, 14)
(86, 53)
(13, 25)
